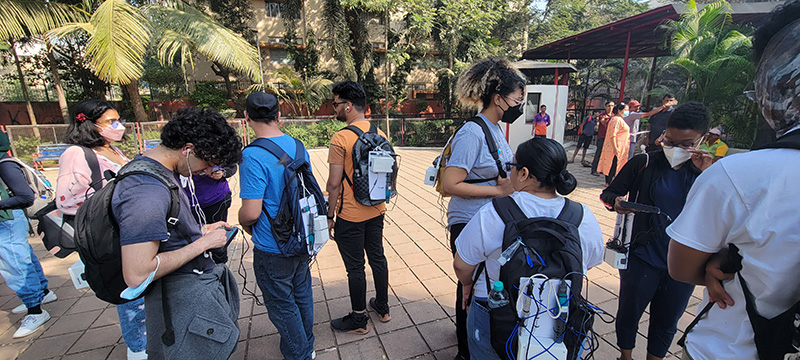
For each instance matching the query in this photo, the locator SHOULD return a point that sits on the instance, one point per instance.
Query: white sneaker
(50, 297)
(313, 354)
(141, 355)
(31, 323)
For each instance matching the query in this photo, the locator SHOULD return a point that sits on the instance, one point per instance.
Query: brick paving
(421, 295)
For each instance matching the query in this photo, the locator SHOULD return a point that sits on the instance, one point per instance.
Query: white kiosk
(553, 96)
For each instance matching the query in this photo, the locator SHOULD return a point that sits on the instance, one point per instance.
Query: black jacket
(638, 178)
(12, 177)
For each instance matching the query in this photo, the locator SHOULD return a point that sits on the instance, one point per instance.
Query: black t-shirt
(658, 123)
(140, 205)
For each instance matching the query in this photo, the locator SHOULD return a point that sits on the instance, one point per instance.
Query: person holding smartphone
(662, 179)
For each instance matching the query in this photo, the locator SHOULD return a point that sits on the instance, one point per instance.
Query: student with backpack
(538, 174)
(191, 304)
(19, 266)
(661, 179)
(358, 227)
(758, 296)
(284, 279)
(474, 173)
(94, 127)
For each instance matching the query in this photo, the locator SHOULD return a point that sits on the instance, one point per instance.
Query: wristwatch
(330, 217)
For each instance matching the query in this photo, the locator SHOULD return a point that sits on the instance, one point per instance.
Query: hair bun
(566, 182)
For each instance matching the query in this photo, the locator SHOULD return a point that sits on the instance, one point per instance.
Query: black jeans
(218, 212)
(612, 172)
(353, 239)
(597, 153)
(461, 314)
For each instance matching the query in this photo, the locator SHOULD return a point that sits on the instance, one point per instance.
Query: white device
(381, 162)
(538, 304)
(430, 176)
(76, 273)
(315, 225)
(616, 253)
(381, 165)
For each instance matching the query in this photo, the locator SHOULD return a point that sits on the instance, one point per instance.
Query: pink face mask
(113, 132)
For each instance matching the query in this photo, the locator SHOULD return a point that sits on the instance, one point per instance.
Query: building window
(279, 57)
(273, 8)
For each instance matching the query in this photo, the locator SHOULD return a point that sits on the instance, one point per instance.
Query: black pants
(461, 314)
(597, 153)
(218, 212)
(612, 172)
(353, 239)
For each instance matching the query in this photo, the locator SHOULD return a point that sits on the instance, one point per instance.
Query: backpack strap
(94, 166)
(487, 133)
(273, 149)
(508, 209)
(572, 212)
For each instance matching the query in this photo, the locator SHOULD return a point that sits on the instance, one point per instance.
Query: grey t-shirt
(470, 152)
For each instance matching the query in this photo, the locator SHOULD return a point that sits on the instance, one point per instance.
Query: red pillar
(625, 67)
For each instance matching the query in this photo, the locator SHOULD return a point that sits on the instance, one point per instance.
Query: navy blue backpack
(287, 225)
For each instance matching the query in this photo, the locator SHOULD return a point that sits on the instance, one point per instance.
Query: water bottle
(498, 297)
(510, 251)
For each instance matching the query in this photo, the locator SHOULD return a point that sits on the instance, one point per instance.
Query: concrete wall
(555, 97)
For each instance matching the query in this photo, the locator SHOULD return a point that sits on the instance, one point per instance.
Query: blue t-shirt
(140, 205)
(669, 195)
(261, 177)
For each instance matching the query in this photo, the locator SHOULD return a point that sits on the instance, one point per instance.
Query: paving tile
(400, 320)
(323, 337)
(109, 316)
(428, 271)
(71, 323)
(244, 328)
(446, 354)
(97, 338)
(266, 347)
(12, 351)
(260, 325)
(411, 292)
(439, 334)
(425, 311)
(334, 290)
(87, 303)
(343, 338)
(404, 344)
(367, 349)
(44, 348)
(402, 276)
(440, 286)
(329, 354)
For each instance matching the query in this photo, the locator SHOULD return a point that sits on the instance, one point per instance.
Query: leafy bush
(301, 133)
(206, 94)
(26, 147)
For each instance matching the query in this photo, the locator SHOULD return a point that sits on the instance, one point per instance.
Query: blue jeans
(286, 285)
(479, 332)
(18, 264)
(131, 322)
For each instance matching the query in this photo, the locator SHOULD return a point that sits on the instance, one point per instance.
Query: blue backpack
(288, 224)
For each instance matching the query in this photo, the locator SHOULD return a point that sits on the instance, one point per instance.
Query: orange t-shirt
(341, 153)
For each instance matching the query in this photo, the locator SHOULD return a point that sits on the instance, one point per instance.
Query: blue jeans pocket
(479, 332)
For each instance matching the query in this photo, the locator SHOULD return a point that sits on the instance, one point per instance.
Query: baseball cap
(261, 105)
(633, 103)
(715, 131)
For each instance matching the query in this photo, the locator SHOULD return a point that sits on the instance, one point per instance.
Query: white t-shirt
(482, 237)
(749, 200)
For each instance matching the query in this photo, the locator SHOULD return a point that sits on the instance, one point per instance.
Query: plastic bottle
(498, 297)
(510, 251)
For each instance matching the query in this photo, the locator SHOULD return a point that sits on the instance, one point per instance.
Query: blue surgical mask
(626, 113)
(133, 293)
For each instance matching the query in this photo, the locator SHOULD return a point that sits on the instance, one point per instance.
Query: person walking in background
(658, 122)
(615, 150)
(285, 281)
(358, 228)
(94, 127)
(633, 117)
(585, 135)
(540, 122)
(661, 179)
(714, 145)
(19, 266)
(602, 128)
(213, 196)
(473, 177)
(754, 195)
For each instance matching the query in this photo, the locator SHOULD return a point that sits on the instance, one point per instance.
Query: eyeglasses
(510, 165)
(683, 145)
(336, 104)
(516, 102)
(115, 123)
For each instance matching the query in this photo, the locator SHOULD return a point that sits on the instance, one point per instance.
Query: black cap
(261, 105)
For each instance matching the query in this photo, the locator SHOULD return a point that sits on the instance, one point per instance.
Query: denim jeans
(18, 264)
(354, 239)
(131, 322)
(479, 332)
(286, 285)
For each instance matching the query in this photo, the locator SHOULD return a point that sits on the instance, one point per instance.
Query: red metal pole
(625, 67)
(556, 82)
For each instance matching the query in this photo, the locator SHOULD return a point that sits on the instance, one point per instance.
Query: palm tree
(120, 34)
(297, 91)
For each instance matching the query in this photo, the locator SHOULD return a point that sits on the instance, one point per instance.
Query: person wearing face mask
(191, 303)
(615, 149)
(661, 179)
(473, 177)
(94, 127)
(538, 175)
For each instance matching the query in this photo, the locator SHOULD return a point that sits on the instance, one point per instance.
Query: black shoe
(595, 173)
(461, 357)
(383, 312)
(353, 323)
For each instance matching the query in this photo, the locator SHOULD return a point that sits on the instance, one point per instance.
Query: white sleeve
(592, 244)
(482, 235)
(713, 208)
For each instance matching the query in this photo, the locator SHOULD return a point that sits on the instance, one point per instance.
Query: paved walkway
(422, 292)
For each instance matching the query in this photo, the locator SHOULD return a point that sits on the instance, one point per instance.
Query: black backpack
(780, 335)
(97, 232)
(368, 141)
(552, 248)
(299, 182)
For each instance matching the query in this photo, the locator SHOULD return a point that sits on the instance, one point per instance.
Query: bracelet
(330, 217)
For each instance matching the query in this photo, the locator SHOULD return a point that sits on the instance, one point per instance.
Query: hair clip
(80, 117)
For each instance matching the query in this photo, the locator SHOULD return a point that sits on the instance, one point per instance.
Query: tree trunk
(24, 86)
(62, 98)
(136, 101)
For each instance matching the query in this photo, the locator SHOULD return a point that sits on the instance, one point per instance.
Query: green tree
(299, 92)
(237, 16)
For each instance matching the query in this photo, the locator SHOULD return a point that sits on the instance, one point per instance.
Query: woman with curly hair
(474, 175)
(94, 126)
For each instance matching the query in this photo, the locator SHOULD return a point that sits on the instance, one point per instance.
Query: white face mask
(676, 155)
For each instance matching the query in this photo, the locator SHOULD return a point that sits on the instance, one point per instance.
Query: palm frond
(206, 36)
(116, 47)
(22, 18)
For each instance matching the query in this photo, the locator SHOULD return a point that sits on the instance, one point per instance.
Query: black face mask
(512, 113)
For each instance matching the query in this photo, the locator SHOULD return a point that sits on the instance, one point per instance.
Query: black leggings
(214, 213)
(461, 314)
